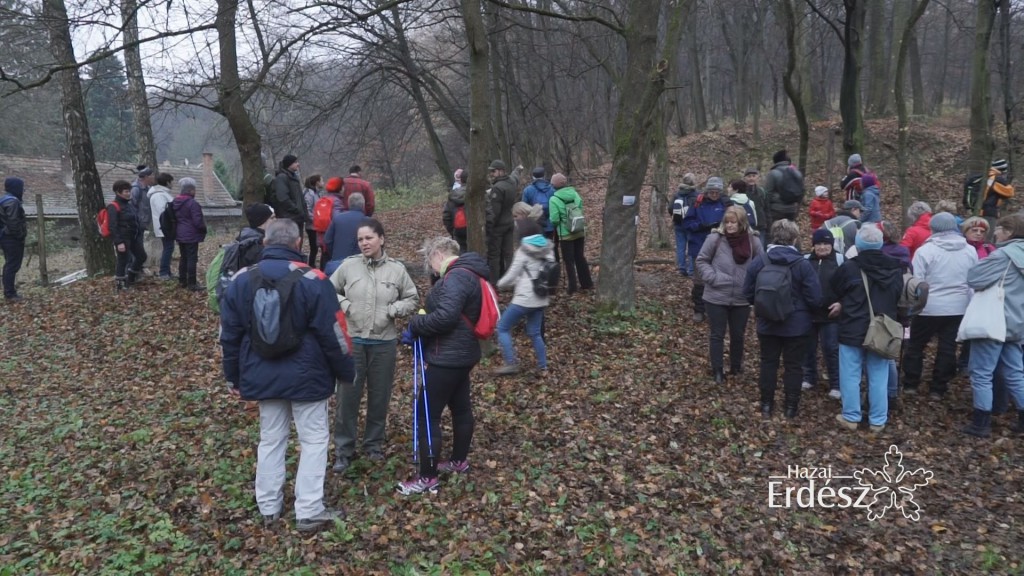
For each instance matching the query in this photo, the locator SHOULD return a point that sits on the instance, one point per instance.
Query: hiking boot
(507, 370)
(935, 396)
(418, 485)
(719, 375)
(321, 520)
(791, 411)
(1019, 428)
(271, 519)
(120, 283)
(698, 317)
(910, 390)
(340, 464)
(375, 456)
(806, 385)
(766, 410)
(981, 424)
(13, 299)
(846, 423)
(835, 393)
(877, 428)
(196, 288)
(736, 371)
(453, 466)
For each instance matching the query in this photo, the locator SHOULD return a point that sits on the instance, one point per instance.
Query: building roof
(52, 178)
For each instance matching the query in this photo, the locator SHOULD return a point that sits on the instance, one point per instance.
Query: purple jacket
(899, 252)
(191, 225)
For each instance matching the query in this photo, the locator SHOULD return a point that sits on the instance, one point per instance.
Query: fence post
(44, 277)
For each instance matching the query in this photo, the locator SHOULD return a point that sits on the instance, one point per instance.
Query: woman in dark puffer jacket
(450, 351)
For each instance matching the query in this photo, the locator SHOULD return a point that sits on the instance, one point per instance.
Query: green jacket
(557, 211)
(372, 293)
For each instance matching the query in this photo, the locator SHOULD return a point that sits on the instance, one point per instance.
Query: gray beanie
(943, 222)
(714, 183)
(854, 160)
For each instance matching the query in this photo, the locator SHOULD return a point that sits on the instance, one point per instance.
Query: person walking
(722, 264)
(574, 257)
(683, 201)
(295, 385)
(705, 215)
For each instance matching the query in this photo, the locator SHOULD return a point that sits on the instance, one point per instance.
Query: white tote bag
(985, 317)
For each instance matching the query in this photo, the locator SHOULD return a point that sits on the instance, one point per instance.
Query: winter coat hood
(158, 189)
(782, 254)
(15, 187)
(944, 262)
(949, 241)
(458, 196)
(878, 267)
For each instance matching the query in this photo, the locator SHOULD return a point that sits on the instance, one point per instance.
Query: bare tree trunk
(940, 83)
(659, 192)
(849, 91)
(906, 38)
(700, 117)
(99, 254)
(481, 137)
(231, 105)
(980, 153)
(916, 81)
(1006, 72)
(643, 81)
(877, 56)
(792, 80)
(137, 84)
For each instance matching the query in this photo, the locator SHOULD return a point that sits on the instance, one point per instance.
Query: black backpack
(12, 218)
(790, 185)
(546, 282)
(169, 222)
(272, 331)
(773, 292)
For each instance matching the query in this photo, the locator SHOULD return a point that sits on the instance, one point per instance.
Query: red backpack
(323, 210)
(103, 219)
(489, 312)
(460, 218)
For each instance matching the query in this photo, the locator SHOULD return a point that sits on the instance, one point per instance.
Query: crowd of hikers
(863, 300)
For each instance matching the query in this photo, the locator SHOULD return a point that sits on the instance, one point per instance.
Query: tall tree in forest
(906, 37)
(849, 91)
(981, 131)
(106, 106)
(481, 135)
(1006, 74)
(99, 256)
(137, 84)
(792, 81)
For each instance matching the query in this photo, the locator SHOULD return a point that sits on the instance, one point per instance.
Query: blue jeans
(534, 318)
(827, 335)
(986, 356)
(851, 360)
(684, 264)
(894, 380)
(165, 256)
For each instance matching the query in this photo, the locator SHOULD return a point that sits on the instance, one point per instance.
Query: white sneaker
(807, 385)
(835, 394)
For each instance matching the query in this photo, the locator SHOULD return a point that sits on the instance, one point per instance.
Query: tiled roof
(48, 177)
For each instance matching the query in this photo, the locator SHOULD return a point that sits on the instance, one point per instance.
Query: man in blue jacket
(294, 385)
(705, 215)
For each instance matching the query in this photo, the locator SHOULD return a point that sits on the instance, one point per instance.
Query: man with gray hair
(292, 377)
(340, 237)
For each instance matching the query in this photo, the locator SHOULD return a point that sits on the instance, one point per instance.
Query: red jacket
(821, 209)
(916, 235)
(354, 183)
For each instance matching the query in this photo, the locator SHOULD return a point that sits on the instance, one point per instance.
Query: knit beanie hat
(853, 160)
(853, 205)
(258, 214)
(943, 222)
(863, 244)
(334, 185)
(780, 156)
(822, 236)
(821, 191)
(714, 183)
(538, 172)
(689, 180)
(868, 180)
(1000, 164)
(559, 180)
(288, 160)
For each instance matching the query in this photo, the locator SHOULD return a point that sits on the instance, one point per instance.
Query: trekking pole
(415, 406)
(418, 352)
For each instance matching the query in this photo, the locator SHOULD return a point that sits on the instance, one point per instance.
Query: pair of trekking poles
(419, 383)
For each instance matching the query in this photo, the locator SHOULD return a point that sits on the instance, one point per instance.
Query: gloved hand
(407, 338)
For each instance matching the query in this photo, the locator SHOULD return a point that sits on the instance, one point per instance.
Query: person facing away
(354, 183)
(682, 202)
(871, 199)
(288, 202)
(851, 184)
(340, 239)
(782, 170)
(453, 215)
(920, 215)
(310, 194)
(528, 263)
(160, 199)
(13, 230)
(373, 290)
(124, 233)
(539, 193)
(577, 269)
(756, 193)
(191, 231)
(450, 351)
(294, 387)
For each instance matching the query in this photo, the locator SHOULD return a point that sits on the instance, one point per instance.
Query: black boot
(766, 410)
(791, 409)
(981, 424)
(1019, 428)
(133, 277)
(120, 283)
(719, 375)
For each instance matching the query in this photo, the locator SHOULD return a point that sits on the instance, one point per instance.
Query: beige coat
(372, 293)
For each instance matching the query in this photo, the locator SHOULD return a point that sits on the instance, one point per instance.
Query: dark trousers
(375, 371)
(719, 318)
(14, 253)
(166, 255)
(922, 330)
(499, 252)
(827, 335)
(793, 350)
(461, 238)
(313, 248)
(697, 289)
(553, 238)
(130, 261)
(188, 263)
(445, 387)
(576, 267)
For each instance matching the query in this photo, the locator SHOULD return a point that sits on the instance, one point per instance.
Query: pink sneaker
(453, 466)
(418, 485)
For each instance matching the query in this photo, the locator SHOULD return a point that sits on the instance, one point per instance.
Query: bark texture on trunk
(137, 85)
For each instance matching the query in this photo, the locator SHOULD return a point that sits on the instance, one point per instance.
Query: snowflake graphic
(893, 486)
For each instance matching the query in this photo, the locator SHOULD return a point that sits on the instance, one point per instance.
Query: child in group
(821, 208)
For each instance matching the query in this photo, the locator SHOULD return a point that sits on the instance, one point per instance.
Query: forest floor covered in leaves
(123, 453)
